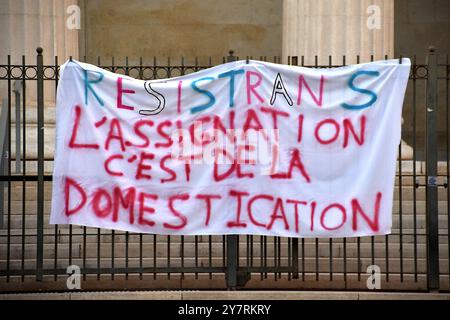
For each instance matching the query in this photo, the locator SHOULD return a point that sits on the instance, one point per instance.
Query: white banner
(240, 148)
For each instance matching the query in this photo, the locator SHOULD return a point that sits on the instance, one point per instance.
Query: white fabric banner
(240, 148)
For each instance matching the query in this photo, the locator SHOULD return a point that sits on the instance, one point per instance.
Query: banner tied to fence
(246, 147)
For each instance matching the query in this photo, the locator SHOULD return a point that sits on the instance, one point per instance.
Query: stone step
(31, 166)
(31, 141)
(31, 114)
(203, 250)
(405, 237)
(405, 240)
(408, 265)
(273, 294)
(198, 286)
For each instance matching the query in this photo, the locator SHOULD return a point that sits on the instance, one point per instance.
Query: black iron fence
(35, 255)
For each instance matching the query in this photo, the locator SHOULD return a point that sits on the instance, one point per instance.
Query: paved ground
(228, 295)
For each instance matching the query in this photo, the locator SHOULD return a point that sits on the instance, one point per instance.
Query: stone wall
(175, 28)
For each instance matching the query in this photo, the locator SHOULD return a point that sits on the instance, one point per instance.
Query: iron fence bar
(289, 247)
(70, 243)
(251, 250)
(372, 238)
(17, 89)
(261, 254)
(40, 165)
(345, 239)
(224, 251)
(232, 240)
(330, 63)
(8, 172)
(70, 228)
(24, 169)
(154, 255)
(4, 133)
(358, 240)
(275, 257)
(386, 237)
(247, 251)
(431, 174)
(84, 250)
(400, 207)
(141, 250)
(113, 238)
(232, 250)
(141, 245)
(316, 241)
(168, 256)
(84, 239)
(98, 252)
(303, 239)
(316, 65)
(331, 258)
(99, 239)
(414, 146)
(210, 254)
(345, 261)
(279, 256)
(294, 61)
(55, 248)
(113, 233)
(196, 254)
(182, 256)
(127, 234)
(303, 260)
(265, 255)
(295, 258)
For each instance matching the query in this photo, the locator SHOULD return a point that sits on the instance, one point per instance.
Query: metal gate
(35, 255)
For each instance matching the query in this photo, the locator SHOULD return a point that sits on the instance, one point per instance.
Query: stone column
(339, 28)
(28, 24)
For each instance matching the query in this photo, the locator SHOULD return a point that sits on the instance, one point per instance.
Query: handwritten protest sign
(240, 148)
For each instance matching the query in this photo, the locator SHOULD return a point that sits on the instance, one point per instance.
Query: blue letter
(365, 91)
(87, 86)
(231, 74)
(212, 99)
